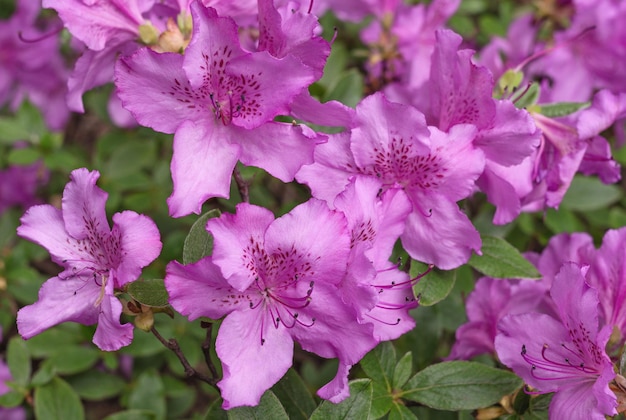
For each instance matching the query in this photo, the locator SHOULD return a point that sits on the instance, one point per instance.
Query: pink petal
(202, 165)
(83, 206)
(200, 289)
(440, 234)
(281, 149)
(110, 334)
(60, 301)
(251, 366)
(318, 235)
(239, 243)
(140, 244)
(154, 88)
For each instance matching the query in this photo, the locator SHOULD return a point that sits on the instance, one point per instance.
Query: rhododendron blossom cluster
(384, 196)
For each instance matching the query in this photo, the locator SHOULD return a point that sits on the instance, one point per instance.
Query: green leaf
(148, 394)
(587, 193)
(382, 400)
(460, 385)
(502, 260)
(96, 386)
(150, 292)
(562, 109)
(73, 360)
(11, 130)
(294, 395)
(215, 411)
(132, 415)
(24, 156)
(11, 399)
(348, 90)
(357, 406)
(434, 286)
(199, 242)
(57, 401)
(403, 371)
(379, 364)
(18, 360)
(269, 408)
(401, 412)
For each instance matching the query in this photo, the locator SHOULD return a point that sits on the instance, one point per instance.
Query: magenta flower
(220, 101)
(19, 184)
(96, 261)
(564, 355)
(392, 143)
(573, 144)
(379, 292)
(460, 92)
(491, 300)
(32, 70)
(276, 282)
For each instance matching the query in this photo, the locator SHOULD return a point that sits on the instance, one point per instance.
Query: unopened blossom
(564, 354)
(275, 281)
(97, 261)
(220, 101)
(391, 142)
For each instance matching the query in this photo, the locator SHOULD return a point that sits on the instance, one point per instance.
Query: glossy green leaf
(379, 364)
(402, 371)
(588, 193)
(401, 412)
(73, 360)
(294, 395)
(150, 292)
(57, 401)
(502, 260)
(269, 408)
(460, 385)
(348, 90)
(356, 407)
(24, 156)
(215, 411)
(148, 394)
(95, 385)
(199, 242)
(562, 109)
(434, 286)
(18, 360)
(11, 399)
(132, 415)
(382, 400)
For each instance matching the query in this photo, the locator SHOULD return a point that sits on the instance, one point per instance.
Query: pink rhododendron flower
(491, 300)
(220, 101)
(31, 66)
(564, 355)
(19, 184)
(572, 144)
(96, 261)
(392, 143)
(275, 281)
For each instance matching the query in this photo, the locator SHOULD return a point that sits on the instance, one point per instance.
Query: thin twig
(172, 344)
(206, 347)
(242, 185)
